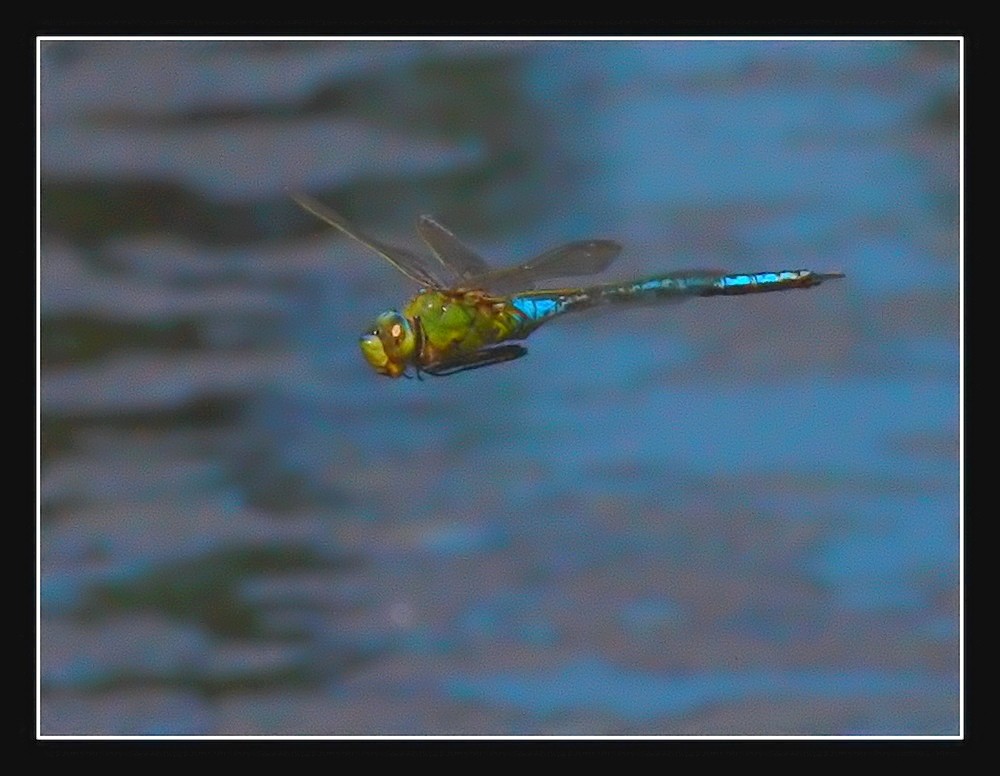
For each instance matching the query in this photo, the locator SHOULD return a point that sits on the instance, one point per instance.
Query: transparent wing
(455, 255)
(410, 264)
(464, 266)
(586, 257)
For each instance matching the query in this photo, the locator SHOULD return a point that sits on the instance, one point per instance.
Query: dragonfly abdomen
(539, 306)
(711, 284)
(759, 282)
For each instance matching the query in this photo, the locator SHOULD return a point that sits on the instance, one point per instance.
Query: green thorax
(458, 322)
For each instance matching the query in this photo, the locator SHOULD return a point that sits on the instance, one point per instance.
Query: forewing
(410, 264)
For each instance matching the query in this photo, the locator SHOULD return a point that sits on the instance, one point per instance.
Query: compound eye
(396, 327)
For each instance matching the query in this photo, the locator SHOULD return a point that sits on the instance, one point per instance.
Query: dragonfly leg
(477, 359)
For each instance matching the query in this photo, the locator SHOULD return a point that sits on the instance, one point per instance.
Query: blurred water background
(726, 517)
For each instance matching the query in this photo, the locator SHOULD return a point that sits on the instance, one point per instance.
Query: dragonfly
(469, 314)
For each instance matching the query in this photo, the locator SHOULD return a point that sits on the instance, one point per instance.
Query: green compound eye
(390, 345)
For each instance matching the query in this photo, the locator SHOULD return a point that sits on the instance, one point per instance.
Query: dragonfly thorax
(390, 346)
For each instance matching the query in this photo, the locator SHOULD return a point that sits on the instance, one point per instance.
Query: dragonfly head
(390, 345)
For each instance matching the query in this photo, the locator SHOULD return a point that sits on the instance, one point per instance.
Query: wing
(586, 257)
(455, 255)
(410, 264)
